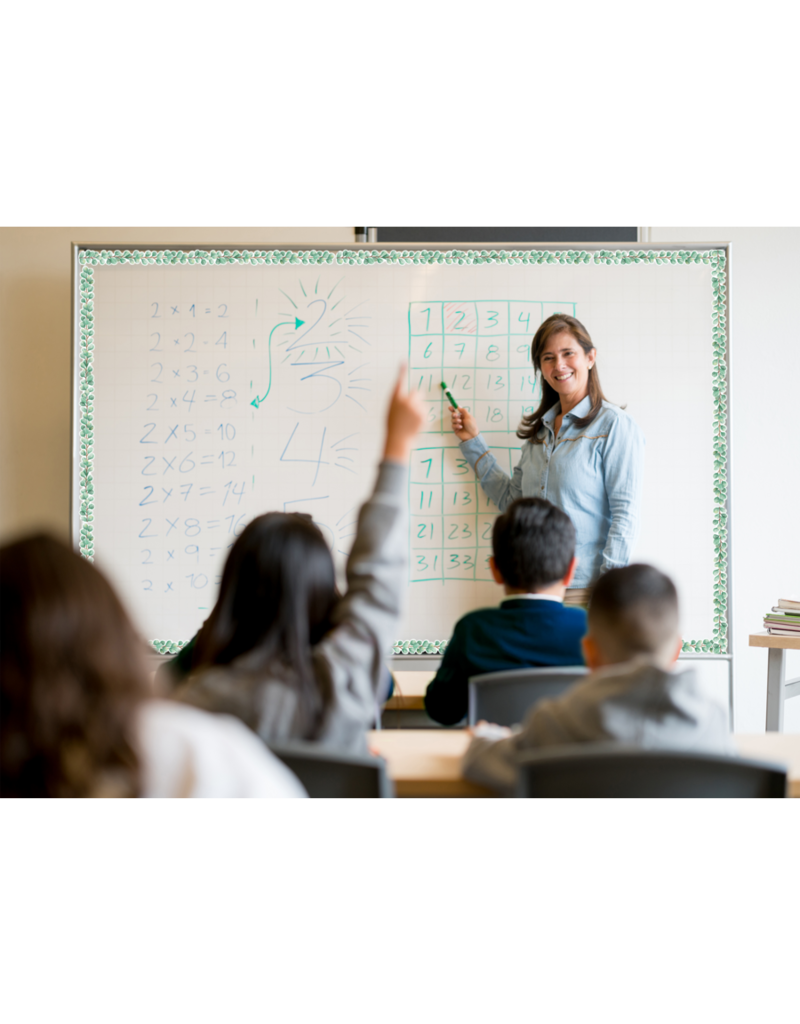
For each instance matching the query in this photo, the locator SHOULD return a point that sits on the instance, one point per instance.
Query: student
(632, 696)
(281, 650)
(534, 561)
(78, 716)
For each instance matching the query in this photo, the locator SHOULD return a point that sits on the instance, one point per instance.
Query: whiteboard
(213, 386)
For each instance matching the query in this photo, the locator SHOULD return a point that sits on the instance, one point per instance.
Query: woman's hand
(464, 425)
(404, 418)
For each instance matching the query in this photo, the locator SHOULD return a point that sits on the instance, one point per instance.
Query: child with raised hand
(281, 649)
(634, 695)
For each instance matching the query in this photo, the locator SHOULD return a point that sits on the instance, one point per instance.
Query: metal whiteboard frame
(405, 662)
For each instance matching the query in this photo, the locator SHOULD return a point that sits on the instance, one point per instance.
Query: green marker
(449, 394)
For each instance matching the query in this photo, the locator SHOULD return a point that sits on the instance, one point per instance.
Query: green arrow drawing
(286, 323)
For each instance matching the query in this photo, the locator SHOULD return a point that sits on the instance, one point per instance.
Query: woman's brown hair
(555, 324)
(73, 676)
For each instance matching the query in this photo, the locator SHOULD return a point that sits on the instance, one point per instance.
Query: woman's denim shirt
(593, 473)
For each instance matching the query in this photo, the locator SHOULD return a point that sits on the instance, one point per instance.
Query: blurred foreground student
(281, 650)
(633, 694)
(78, 716)
(533, 545)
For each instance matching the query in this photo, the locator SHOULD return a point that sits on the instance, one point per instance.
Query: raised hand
(403, 420)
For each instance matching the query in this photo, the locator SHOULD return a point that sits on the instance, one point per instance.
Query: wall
(765, 411)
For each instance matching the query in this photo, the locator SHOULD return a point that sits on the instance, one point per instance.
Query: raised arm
(366, 618)
(500, 487)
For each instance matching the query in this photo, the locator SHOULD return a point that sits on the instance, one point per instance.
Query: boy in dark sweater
(533, 546)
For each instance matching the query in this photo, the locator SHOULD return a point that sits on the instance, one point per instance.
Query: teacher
(581, 453)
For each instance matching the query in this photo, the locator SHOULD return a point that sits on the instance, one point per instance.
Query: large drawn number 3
(322, 376)
(311, 327)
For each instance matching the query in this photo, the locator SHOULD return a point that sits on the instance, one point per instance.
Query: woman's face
(565, 366)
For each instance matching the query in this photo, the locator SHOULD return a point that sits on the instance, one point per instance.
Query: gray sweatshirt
(348, 661)
(636, 704)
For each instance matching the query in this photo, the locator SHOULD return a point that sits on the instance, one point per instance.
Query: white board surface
(183, 459)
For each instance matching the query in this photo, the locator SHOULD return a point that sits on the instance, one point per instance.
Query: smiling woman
(581, 452)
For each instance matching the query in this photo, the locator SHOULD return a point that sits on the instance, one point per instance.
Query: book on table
(784, 618)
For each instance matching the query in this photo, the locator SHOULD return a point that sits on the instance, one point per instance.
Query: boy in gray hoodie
(633, 695)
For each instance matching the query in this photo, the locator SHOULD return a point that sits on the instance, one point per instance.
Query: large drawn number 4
(316, 462)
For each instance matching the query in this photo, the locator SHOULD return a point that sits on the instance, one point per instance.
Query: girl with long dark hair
(77, 715)
(582, 453)
(281, 649)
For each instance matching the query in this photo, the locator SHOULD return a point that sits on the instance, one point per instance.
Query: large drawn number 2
(311, 327)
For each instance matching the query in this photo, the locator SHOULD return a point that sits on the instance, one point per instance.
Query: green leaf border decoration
(89, 258)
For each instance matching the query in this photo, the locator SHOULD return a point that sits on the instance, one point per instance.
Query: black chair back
(328, 773)
(607, 770)
(505, 697)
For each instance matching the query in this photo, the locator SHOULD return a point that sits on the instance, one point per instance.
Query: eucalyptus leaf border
(716, 258)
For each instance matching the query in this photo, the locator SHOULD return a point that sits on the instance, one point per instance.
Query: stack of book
(784, 619)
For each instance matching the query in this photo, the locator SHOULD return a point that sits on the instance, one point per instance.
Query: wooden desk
(783, 748)
(779, 689)
(427, 762)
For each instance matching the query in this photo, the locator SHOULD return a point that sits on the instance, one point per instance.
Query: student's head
(73, 676)
(277, 593)
(534, 546)
(633, 611)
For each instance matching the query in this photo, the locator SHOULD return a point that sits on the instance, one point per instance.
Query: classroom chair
(327, 773)
(610, 770)
(505, 697)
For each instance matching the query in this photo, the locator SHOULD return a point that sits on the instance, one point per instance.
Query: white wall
(765, 445)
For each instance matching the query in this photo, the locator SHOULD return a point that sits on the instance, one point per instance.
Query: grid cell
(459, 531)
(492, 318)
(461, 383)
(459, 565)
(492, 384)
(456, 469)
(426, 564)
(425, 501)
(459, 497)
(425, 318)
(460, 319)
(492, 416)
(426, 533)
(426, 466)
(459, 351)
(492, 353)
(426, 351)
(525, 317)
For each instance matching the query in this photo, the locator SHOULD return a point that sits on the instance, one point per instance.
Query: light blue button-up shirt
(593, 473)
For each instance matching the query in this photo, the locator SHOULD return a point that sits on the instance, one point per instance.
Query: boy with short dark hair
(533, 545)
(632, 695)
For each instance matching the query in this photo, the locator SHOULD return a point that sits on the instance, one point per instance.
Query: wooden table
(427, 762)
(779, 689)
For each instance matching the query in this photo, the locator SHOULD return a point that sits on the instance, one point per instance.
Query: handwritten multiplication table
(482, 351)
